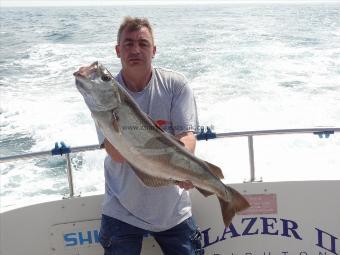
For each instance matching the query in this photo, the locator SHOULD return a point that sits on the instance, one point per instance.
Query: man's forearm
(189, 140)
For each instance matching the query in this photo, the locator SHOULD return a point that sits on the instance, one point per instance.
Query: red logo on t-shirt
(161, 122)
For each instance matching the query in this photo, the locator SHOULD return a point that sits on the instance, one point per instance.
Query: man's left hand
(186, 185)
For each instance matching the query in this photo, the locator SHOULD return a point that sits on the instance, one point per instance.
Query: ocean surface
(251, 66)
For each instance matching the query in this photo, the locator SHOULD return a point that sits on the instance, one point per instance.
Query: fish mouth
(83, 75)
(86, 71)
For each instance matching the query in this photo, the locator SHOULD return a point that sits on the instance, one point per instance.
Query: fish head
(98, 87)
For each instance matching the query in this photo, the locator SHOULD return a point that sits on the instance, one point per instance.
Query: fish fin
(239, 202)
(151, 181)
(236, 203)
(115, 123)
(204, 192)
(215, 170)
(228, 212)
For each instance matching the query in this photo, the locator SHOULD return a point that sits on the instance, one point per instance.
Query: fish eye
(106, 77)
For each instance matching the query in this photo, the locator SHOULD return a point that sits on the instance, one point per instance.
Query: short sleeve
(184, 111)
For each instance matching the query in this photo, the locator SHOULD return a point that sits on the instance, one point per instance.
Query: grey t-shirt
(170, 102)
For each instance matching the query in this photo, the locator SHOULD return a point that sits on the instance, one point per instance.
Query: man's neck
(136, 80)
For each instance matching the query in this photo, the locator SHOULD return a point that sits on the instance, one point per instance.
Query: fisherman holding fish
(130, 208)
(145, 118)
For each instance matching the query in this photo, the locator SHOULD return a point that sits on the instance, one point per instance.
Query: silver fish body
(157, 157)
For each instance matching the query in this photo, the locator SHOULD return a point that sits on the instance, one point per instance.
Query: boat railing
(205, 134)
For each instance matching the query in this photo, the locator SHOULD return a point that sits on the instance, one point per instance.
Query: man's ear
(117, 51)
(154, 51)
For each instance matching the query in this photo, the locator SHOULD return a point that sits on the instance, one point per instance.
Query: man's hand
(114, 154)
(186, 185)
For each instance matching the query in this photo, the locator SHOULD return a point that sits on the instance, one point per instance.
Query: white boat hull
(298, 218)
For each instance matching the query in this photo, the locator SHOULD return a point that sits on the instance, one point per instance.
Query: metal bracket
(324, 134)
(205, 135)
(60, 149)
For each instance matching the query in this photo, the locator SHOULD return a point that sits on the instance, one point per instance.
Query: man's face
(136, 49)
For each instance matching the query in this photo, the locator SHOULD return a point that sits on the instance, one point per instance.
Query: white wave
(250, 68)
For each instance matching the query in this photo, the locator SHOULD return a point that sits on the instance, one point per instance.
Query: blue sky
(134, 2)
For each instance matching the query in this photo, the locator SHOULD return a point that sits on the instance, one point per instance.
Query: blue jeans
(120, 238)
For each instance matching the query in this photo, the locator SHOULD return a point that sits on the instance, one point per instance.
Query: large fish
(157, 157)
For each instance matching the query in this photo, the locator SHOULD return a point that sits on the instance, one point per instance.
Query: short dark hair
(134, 24)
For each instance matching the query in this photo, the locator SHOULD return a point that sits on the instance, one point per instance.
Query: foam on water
(251, 67)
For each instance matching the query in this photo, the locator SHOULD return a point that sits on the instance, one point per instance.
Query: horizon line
(40, 3)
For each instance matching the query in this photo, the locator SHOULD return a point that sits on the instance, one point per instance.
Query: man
(130, 209)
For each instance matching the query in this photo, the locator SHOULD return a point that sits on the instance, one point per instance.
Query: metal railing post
(69, 175)
(251, 158)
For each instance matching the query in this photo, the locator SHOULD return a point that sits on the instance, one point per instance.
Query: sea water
(251, 66)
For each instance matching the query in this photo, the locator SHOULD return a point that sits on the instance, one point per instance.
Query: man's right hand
(114, 154)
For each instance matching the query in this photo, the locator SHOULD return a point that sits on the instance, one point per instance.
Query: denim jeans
(120, 238)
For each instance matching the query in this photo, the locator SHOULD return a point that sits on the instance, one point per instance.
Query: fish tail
(235, 203)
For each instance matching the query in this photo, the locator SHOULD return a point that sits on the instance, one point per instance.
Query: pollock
(157, 157)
